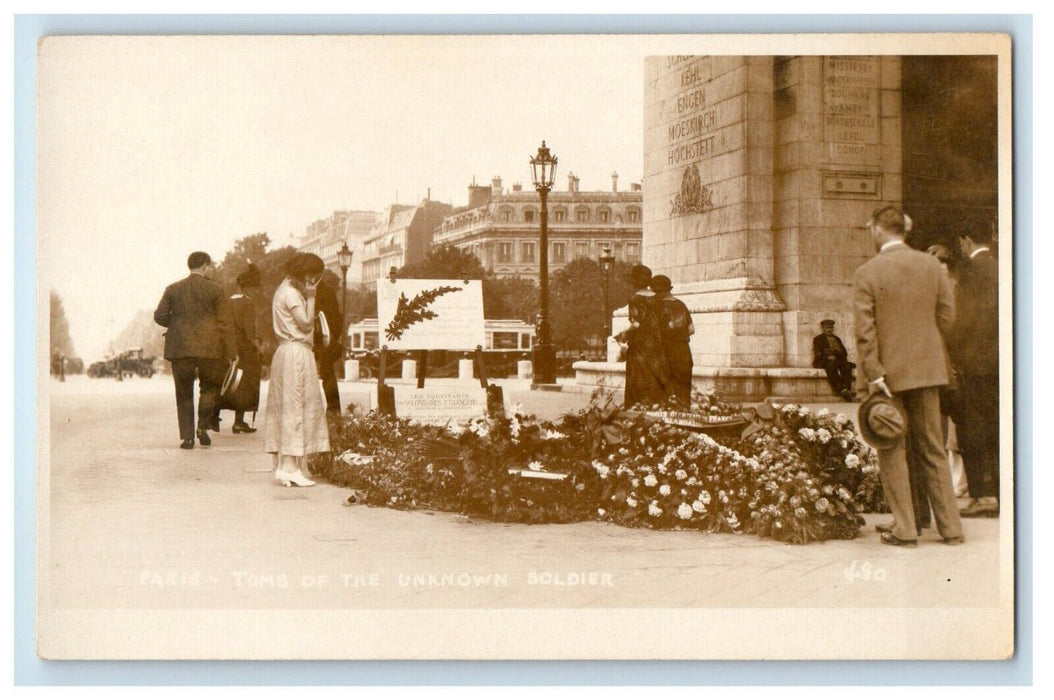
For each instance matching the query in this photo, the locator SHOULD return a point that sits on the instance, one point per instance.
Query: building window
(504, 340)
(581, 215)
(581, 249)
(527, 252)
(505, 252)
(604, 215)
(559, 252)
(506, 215)
(528, 215)
(633, 252)
(559, 215)
(633, 215)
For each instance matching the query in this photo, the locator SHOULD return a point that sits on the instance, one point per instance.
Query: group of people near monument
(658, 356)
(928, 348)
(213, 339)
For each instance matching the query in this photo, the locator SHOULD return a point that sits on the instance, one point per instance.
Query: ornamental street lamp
(543, 173)
(607, 264)
(344, 256)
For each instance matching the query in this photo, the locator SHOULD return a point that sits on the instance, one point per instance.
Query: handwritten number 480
(864, 571)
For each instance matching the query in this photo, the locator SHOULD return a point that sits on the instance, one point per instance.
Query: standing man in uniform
(975, 352)
(903, 305)
(198, 343)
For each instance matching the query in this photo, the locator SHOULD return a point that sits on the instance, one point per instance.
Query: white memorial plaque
(430, 314)
(440, 405)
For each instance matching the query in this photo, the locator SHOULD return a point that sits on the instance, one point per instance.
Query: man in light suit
(903, 305)
(198, 343)
(974, 349)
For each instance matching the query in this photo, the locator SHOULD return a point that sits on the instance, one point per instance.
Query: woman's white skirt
(295, 419)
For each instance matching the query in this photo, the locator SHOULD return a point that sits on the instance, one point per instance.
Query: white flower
(553, 435)
(822, 412)
(650, 480)
(692, 481)
(795, 501)
(822, 504)
(844, 494)
(777, 406)
(635, 483)
(664, 489)
(631, 502)
(698, 507)
(580, 486)
(514, 427)
(704, 496)
(684, 511)
(823, 435)
(807, 434)
(800, 513)
(733, 521)
(852, 461)
(841, 420)
(534, 466)
(804, 411)
(681, 474)
(602, 469)
(601, 512)
(790, 408)
(654, 510)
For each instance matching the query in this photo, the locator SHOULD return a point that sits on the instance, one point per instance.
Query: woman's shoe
(283, 477)
(297, 478)
(242, 428)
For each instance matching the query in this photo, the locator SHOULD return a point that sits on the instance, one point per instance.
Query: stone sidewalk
(137, 523)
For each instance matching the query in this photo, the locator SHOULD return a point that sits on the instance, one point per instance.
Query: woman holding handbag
(295, 420)
(242, 308)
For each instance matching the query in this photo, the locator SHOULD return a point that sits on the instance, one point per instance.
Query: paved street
(137, 523)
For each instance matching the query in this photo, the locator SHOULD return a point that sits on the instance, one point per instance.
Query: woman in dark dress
(677, 329)
(646, 371)
(243, 312)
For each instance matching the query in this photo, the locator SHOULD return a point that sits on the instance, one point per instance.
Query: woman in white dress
(295, 420)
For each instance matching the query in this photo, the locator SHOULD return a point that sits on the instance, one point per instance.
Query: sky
(152, 147)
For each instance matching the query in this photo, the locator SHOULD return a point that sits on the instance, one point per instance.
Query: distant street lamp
(543, 173)
(607, 264)
(344, 256)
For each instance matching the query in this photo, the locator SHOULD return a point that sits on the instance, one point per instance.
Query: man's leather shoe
(891, 539)
(954, 540)
(889, 528)
(187, 445)
(242, 428)
(981, 508)
(203, 437)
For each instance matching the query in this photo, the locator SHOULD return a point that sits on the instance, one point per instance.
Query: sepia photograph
(525, 347)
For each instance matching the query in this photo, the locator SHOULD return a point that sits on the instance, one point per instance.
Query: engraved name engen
(690, 137)
(850, 103)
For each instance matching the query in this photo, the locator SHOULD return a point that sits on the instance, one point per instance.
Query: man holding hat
(198, 343)
(903, 305)
(830, 355)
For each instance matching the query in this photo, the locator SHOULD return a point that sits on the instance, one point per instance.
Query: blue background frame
(30, 670)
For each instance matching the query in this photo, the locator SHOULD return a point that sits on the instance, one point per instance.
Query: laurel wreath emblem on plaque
(408, 312)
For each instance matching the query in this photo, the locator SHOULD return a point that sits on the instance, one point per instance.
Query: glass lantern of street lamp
(543, 169)
(607, 261)
(344, 256)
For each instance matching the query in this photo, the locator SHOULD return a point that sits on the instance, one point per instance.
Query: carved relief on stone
(695, 198)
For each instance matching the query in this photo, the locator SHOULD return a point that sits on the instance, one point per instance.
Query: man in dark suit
(198, 342)
(974, 349)
(829, 354)
(326, 357)
(902, 306)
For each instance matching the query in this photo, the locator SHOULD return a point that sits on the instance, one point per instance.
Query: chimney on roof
(478, 195)
(572, 182)
(495, 185)
(634, 187)
(517, 187)
(614, 181)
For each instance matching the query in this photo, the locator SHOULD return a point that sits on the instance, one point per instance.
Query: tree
(60, 341)
(576, 306)
(510, 297)
(444, 263)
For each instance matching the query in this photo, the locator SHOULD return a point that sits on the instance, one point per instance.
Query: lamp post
(344, 256)
(607, 264)
(543, 173)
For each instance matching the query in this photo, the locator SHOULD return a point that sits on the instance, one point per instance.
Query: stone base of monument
(730, 383)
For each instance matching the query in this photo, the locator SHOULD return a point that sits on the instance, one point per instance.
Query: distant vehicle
(128, 363)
